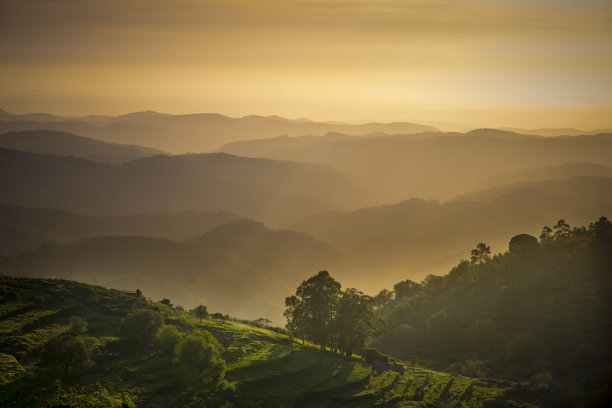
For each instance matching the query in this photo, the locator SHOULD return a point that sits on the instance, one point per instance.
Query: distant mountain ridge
(193, 132)
(66, 144)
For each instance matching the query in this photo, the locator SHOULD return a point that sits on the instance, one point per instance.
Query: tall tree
(562, 229)
(354, 321)
(312, 308)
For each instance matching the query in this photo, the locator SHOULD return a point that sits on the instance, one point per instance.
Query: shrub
(78, 325)
(168, 337)
(67, 353)
(197, 361)
(141, 326)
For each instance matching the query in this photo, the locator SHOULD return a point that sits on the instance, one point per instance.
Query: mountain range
(200, 132)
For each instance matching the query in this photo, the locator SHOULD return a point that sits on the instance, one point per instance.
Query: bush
(168, 338)
(78, 325)
(141, 326)
(67, 353)
(197, 361)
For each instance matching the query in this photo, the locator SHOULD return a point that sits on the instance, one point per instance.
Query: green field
(264, 368)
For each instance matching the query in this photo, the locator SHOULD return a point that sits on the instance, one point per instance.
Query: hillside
(539, 311)
(66, 144)
(416, 237)
(437, 167)
(199, 132)
(271, 191)
(262, 368)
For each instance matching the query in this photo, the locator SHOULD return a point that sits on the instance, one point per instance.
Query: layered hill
(272, 191)
(242, 267)
(439, 166)
(385, 244)
(191, 133)
(66, 144)
(24, 227)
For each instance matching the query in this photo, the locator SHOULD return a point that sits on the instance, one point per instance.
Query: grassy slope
(267, 369)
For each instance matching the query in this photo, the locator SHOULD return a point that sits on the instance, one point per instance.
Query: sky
(456, 63)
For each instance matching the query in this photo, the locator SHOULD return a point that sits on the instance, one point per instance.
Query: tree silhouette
(522, 243)
(406, 288)
(546, 234)
(480, 254)
(562, 229)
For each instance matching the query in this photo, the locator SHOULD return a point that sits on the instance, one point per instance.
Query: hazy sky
(483, 62)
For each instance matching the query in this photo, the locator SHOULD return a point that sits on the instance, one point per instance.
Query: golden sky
(454, 63)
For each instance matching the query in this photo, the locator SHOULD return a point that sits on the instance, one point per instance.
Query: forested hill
(539, 312)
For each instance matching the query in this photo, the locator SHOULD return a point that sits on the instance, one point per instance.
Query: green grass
(264, 368)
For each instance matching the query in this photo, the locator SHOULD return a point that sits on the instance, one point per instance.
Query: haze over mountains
(240, 267)
(272, 191)
(191, 133)
(440, 166)
(66, 144)
(374, 203)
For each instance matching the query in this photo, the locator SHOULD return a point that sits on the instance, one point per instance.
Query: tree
(197, 361)
(166, 302)
(200, 311)
(78, 325)
(261, 322)
(562, 229)
(141, 326)
(481, 254)
(68, 353)
(406, 288)
(522, 244)
(353, 321)
(314, 306)
(546, 234)
(383, 298)
(296, 317)
(602, 228)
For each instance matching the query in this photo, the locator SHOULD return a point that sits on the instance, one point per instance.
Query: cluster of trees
(196, 356)
(538, 312)
(321, 312)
